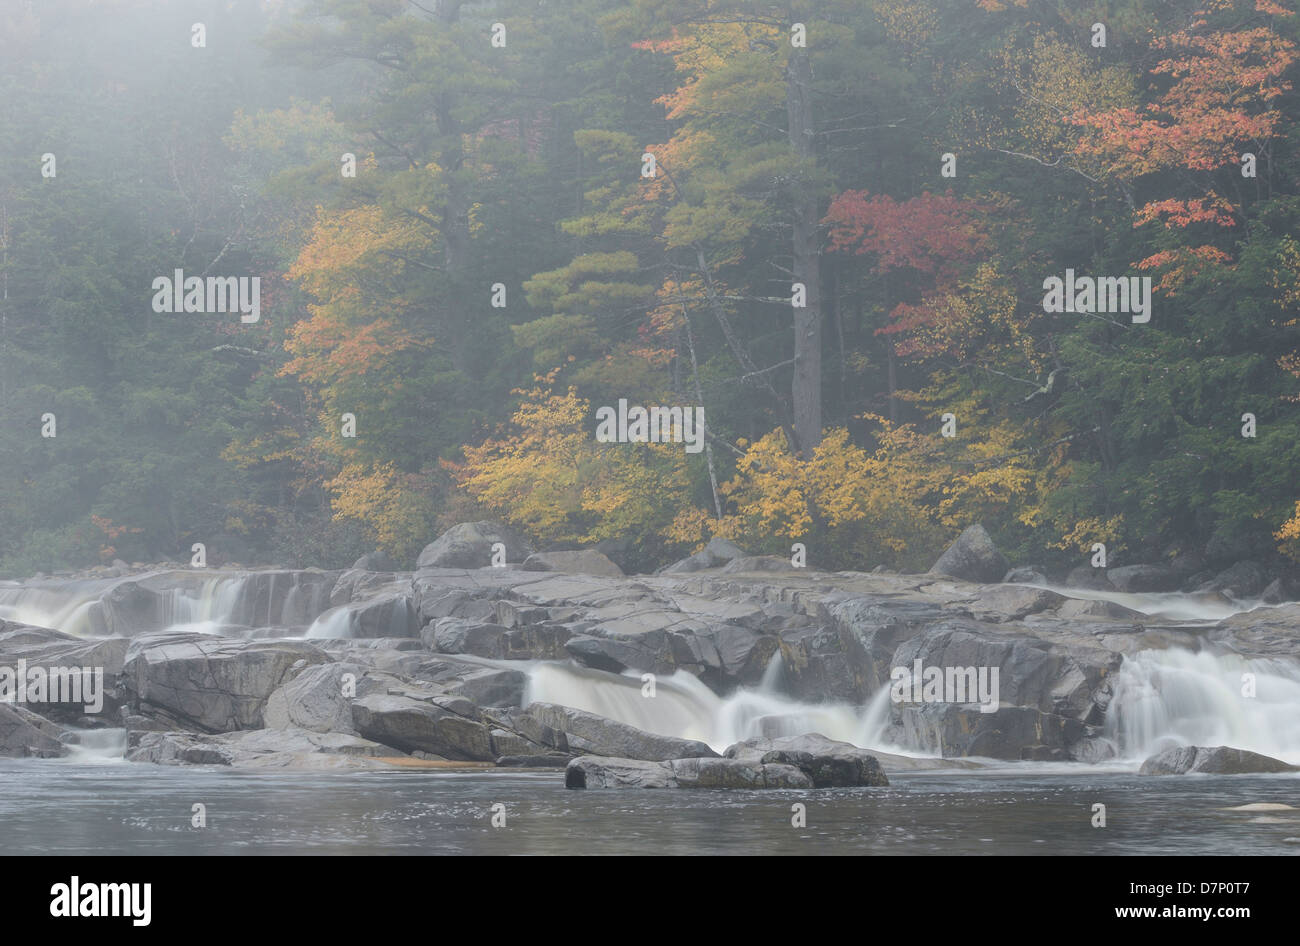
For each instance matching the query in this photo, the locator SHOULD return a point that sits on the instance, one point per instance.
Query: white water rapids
(1162, 698)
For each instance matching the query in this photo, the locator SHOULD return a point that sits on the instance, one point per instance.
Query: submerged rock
(1219, 760)
(599, 772)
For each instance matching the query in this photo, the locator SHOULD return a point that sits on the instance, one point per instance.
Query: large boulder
(1086, 576)
(211, 684)
(23, 734)
(1140, 578)
(1219, 760)
(1242, 580)
(1011, 602)
(378, 561)
(98, 660)
(973, 557)
(600, 772)
(452, 635)
(576, 562)
(260, 748)
(718, 551)
(314, 700)
(469, 545)
(827, 762)
(446, 727)
(596, 735)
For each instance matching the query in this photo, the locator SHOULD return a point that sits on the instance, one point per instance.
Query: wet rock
(315, 700)
(452, 635)
(1085, 608)
(595, 735)
(1026, 575)
(261, 748)
(972, 557)
(213, 684)
(1242, 580)
(718, 551)
(544, 761)
(62, 654)
(1085, 576)
(23, 734)
(1013, 602)
(759, 563)
(650, 652)
(1277, 592)
(469, 545)
(596, 772)
(1219, 760)
(827, 663)
(377, 561)
(491, 687)
(576, 562)
(827, 762)
(1144, 578)
(410, 725)
(734, 773)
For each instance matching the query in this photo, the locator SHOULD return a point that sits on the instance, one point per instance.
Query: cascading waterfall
(49, 607)
(1167, 698)
(1194, 607)
(334, 624)
(685, 707)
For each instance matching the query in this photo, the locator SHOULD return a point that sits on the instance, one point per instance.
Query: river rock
(827, 762)
(972, 557)
(377, 561)
(601, 772)
(23, 734)
(1026, 575)
(58, 652)
(469, 545)
(453, 635)
(575, 562)
(1219, 760)
(759, 563)
(1013, 602)
(1144, 578)
(1242, 580)
(447, 728)
(213, 684)
(718, 551)
(261, 748)
(1085, 576)
(595, 735)
(314, 700)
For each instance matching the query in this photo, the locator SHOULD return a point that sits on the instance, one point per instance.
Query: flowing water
(74, 807)
(93, 801)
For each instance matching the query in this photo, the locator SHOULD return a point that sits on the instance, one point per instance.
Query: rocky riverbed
(724, 670)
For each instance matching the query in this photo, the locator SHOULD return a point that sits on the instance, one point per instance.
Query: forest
(916, 264)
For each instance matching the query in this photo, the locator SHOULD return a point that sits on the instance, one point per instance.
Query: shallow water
(78, 808)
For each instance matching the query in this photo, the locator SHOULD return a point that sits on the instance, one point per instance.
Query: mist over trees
(829, 223)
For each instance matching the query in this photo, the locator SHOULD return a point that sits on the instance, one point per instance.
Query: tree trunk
(806, 387)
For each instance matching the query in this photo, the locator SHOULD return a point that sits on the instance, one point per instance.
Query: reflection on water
(66, 807)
